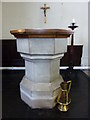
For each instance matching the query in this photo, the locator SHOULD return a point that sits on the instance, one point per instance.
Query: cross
(45, 8)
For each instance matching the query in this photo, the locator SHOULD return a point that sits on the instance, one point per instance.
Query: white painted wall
(60, 15)
(0, 20)
(88, 33)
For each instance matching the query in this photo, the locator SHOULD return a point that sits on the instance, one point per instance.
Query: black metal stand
(70, 69)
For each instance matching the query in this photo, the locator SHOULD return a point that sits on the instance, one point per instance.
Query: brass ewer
(63, 98)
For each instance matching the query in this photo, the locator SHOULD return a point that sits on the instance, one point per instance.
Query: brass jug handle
(69, 82)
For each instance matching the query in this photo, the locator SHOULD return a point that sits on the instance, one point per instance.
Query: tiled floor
(14, 107)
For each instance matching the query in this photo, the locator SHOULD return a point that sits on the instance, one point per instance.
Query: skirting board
(62, 68)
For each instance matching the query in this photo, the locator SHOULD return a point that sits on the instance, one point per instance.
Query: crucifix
(45, 8)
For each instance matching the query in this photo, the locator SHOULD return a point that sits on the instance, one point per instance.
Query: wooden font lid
(41, 33)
